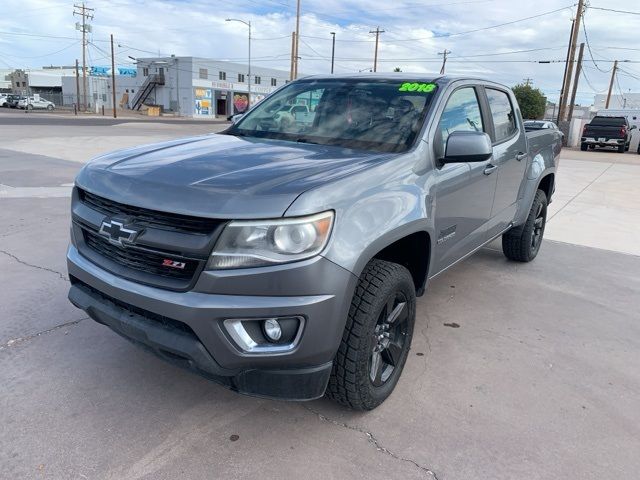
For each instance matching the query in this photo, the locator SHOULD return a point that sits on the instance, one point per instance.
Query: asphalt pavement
(517, 371)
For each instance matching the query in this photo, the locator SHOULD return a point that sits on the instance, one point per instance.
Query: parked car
(285, 262)
(3, 100)
(35, 103)
(12, 100)
(605, 131)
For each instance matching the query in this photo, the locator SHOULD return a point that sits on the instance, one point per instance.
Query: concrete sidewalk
(597, 201)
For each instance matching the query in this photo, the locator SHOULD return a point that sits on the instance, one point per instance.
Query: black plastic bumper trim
(184, 349)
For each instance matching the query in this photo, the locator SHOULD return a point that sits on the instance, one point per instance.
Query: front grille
(144, 217)
(141, 259)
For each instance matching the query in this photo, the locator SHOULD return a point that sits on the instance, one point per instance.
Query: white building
(628, 101)
(99, 91)
(202, 87)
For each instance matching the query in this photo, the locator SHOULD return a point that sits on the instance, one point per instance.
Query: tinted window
(608, 121)
(462, 113)
(504, 118)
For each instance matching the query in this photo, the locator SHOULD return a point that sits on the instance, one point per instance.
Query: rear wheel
(583, 147)
(377, 337)
(49, 107)
(522, 243)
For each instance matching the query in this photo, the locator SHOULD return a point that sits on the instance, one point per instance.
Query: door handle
(521, 156)
(489, 169)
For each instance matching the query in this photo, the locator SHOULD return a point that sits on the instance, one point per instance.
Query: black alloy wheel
(390, 335)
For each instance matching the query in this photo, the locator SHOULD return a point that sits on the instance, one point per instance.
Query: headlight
(267, 242)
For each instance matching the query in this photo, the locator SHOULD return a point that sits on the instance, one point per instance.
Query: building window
(222, 75)
(241, 78)
(145, 71)
(274, 82)
(258, 80)
(203, 74)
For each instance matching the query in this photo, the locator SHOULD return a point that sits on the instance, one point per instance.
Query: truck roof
(398, 76)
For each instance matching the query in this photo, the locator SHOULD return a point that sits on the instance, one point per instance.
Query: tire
(621, 149)
(50, 108)
(29, 107)
(522, 243)
(385, 291)
(583, 147)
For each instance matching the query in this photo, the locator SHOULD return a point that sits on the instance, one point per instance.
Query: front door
(464, 193)
(510, 156)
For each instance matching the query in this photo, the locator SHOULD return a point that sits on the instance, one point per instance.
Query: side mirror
(633, 127)
(237, 117)
(468, 147)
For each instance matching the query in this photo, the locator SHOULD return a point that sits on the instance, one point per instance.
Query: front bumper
(187, 329)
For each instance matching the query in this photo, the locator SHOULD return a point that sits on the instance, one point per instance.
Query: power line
(447, 35)
(586, 38)
(614, 10)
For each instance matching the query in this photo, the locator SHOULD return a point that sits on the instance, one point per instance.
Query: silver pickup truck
(283, 259)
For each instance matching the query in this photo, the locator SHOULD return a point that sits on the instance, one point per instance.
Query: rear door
(464, 192)
(509, 155)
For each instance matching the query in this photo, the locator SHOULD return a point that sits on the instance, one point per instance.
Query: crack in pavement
(22, 262)
(19, 340)
(372, 439)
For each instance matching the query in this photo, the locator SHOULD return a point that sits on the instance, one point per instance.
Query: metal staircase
(145, 90)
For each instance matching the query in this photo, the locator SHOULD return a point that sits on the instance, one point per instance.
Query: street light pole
(248, 24)
(333, 49)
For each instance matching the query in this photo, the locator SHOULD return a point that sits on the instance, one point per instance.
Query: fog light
(272, 329)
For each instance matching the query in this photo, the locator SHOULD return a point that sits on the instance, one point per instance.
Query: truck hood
(219, 176)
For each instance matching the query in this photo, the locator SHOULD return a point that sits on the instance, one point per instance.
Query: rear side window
(504, 118)
(608, 121)
(462, 114)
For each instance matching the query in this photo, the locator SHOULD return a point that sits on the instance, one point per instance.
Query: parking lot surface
(517, 371)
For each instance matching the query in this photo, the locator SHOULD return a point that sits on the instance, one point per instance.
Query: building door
(221, 107)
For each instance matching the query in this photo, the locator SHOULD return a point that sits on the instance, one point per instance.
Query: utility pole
(293, 54)
(113, 79)
(77, 87)
(563, 90)
(613, 77)
(86, 13)
(333, 49)
(575, 82)
(527, 81)
(297, 42)
(572, 54)
(444, 54)
(377, 31)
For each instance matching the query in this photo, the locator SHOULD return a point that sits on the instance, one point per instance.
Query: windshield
(379, 115)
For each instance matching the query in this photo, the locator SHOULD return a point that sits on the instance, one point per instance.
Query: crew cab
(605, 131)
(284, 261)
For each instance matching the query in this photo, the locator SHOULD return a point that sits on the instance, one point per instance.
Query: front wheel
(377, 337)
(583, 147)
(522, 243)
(621, 149)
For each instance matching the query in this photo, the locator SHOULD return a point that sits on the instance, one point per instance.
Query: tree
(397, 69)
(532, 101)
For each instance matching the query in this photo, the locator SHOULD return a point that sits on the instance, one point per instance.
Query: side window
(504, 117)
(462, 113)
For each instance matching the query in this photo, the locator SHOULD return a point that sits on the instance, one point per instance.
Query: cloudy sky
(499, 39)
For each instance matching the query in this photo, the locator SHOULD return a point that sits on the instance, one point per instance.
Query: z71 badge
(173, 264)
